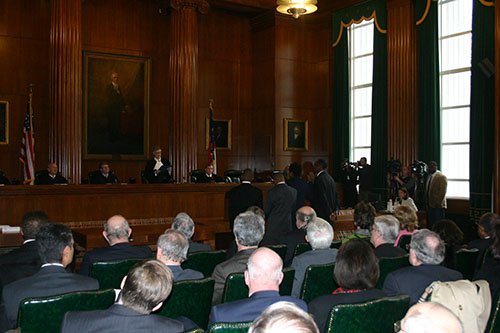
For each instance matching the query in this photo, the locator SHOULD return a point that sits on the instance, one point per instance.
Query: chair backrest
(233, 176)
(45, 314)
(204, 261)
(404, 242)
(466, 262)
(235, 287)
(318, 281)
(388, 265)
(110, 273)
(494, 321)
(191, 299)
(301, 248)
(336, 244)
(280, 249)
(372, 316)
(144, 180)
(230, 327)
(194, 174)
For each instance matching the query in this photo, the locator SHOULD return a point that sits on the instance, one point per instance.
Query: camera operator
(365, 179)
(393, 168)
(406, 180)
(349, 180)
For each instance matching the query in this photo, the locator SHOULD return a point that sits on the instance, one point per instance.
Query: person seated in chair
(284, 317)
(364, 216)
(263, 277)
(185, 224)
(51, 177)
(172, 251)
(431, 317)
(116, 232)
(209, 176)
(293, 238)
(158, 169)
(104, 175)
(384, 232)
(144, 289)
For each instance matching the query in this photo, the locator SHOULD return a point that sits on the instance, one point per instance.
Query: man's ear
(247, 278)
(281, 277)
(157, 307)
(159, 253)
(129, 232)
(123, 282)
(105, 236)
(307, 239)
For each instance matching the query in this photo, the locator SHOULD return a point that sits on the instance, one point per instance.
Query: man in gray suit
(144, 290)
(185, 224)
(172, 251)
(280, 205)
(248, 231)
(320, 236)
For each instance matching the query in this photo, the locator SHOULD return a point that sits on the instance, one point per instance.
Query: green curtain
(341, 128)
(429, 124)
(482, 111)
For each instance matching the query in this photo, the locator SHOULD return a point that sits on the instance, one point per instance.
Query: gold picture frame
(223, 133)
(296, 134)
(4, 122)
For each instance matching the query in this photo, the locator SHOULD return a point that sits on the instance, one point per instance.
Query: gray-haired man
(185, 224)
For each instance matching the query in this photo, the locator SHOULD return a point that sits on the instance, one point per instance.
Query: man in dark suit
(263, 277)
(116, 232)
(279, 207)
(325, 197)
(293, 238)
(104, 175)
(304, 189)
(172, 248)
(51, 177)
(239, 198)
(158, 169)
(185, 224)
(143, 291)
(320, 236)
(384, 233)
(426, 254)
(248, 232)
(209, 176)
(55, 247)
(24, 261)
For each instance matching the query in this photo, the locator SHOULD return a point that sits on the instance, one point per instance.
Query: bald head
(431, 317)
(264, 271)
(116, 230)
(303, 215)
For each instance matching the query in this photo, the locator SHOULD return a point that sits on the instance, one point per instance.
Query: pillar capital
(201, 5)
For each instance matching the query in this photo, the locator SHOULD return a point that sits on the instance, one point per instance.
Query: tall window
(455, 48)
(360, 39)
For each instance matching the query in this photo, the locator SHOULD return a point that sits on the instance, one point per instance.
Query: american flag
(211, 144)
(27, 155)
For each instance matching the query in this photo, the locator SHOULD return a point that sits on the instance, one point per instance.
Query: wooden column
(183, 85)
(496, 193)
(65, 133)
(402, 121)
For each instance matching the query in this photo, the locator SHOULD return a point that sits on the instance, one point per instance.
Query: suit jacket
(19, 263)
(291, 240)
(325, 197)
(118, 318)
(162, 177)
(413, 280)
(198, 247)
(306, 259)
(389, 251)
(49, 281)
(435, 190)
(303, 188)
(241, 197)
(490, 272)
(280, 204)
(321, 306)
(99, 178)
(482, 245)
(250, 308)
(181, 274)
(117, 251)
(203, 178)
(45, 179)
(237, 264)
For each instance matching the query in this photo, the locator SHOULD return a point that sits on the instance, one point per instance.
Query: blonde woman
(408, 221)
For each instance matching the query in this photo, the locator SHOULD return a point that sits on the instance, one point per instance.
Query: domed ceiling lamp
(296, 8)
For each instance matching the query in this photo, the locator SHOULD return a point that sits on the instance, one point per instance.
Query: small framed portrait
(222, 133)
(296, 134)
(4, 123)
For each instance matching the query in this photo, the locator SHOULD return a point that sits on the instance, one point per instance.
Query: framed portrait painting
(222, 129)
(116, 106)
(295, 134)
(4, 122)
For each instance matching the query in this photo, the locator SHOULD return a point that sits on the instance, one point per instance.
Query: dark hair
(322, 163)
(495, 245)
(52, 239)
(296, 168)
(364, 215)
(356, 266)
(103, 163)
(488, 221)
(452, 237)
(31, 223)
(405, 191)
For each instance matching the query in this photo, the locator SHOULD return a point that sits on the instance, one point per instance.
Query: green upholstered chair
(280, 249)
(110, 273)
(494, 321)
(191, 299)
(318, 281)
(230, 327)
(287, 283)
(204, 261)
(45, 314)
(466, 262)
(372, 316)
(388, 265)
(301, 248)
(404, 242)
